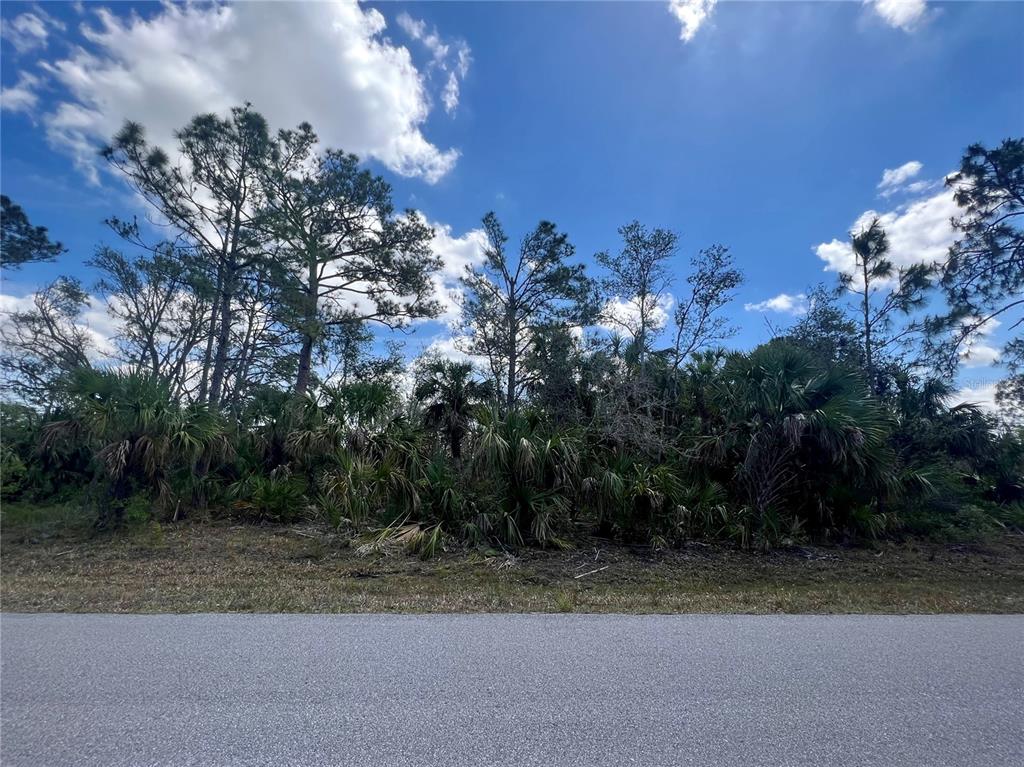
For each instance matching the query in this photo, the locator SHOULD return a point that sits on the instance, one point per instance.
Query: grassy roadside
(195, 567)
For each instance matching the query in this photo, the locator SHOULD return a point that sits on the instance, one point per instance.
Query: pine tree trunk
(305, 365)
(306, 351)
(204, 381)
(510, 392)
(220, 362)
(868, 362)
(455, 439)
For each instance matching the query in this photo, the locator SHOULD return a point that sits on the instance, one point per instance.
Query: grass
(50, 562)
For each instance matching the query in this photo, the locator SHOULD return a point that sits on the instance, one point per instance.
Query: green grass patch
(23, 522)
(52, 562)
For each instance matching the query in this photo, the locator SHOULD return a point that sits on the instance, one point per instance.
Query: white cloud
(691, 14)
(456, 253)
(980, 354)
(983, 395)
(22, 96)
(920, 231)
(26, 32)
(783, 303)
(452, 58)
(837, 255)
(900, 14)
(100, 328)
(977, 349)
(919, 187)
(624, 314)
(415, 28)
(450, 95)
(448, 348)
(463, 58)
(327, 63)
(9, 303)
(894, 178)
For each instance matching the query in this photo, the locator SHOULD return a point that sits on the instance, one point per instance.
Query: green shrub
(275, 498)
(13, 474)
(23, 520)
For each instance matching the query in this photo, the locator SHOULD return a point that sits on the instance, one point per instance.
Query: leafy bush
(140, 439)
(526, 481)
(13, 474)
(802, 446)
(765, 448)
(278, 497)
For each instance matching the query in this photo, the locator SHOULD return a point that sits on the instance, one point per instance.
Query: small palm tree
(452, 396)
(529, 477)
(140, 437)
(805, 443)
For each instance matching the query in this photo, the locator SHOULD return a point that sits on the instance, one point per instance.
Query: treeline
(246, 377)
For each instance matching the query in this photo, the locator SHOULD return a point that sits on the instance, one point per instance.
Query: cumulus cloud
(782, 303)
(920, 231)
(22, 96)
(327, 63)
(102, 328)
(919, 187)
(691, 15)
(979, 354)
(450, 58)
(894, 178)
(900, 14)
(456, 253)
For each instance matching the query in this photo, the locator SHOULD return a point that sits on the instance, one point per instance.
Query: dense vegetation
(248, 379)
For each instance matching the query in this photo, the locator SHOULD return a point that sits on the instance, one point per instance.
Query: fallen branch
(591, 572)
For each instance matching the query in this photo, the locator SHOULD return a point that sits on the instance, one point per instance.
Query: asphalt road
(378, 690)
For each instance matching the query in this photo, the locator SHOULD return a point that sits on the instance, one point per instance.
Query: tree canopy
(256, 369)
(20, 242)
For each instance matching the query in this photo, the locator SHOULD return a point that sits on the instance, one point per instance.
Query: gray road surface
(511, 689)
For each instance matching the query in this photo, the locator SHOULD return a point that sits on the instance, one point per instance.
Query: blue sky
(768, 130)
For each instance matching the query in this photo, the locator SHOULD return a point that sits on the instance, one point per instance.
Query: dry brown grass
(197, 567)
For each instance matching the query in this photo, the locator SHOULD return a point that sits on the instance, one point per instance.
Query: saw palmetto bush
(758, 448)
(140, 438)
(274, 497)
(526, 480)
(632, 500)
(803, 447)
(361, 489)
(965, 476)
(354, 457)
(30, 474)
